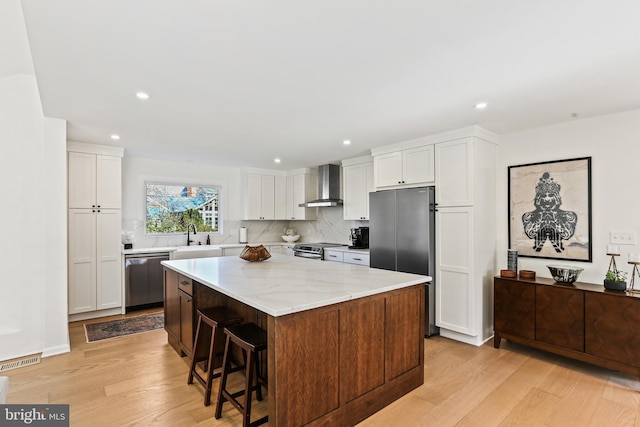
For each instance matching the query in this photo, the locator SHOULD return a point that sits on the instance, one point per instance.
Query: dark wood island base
(580, 320)
(332, 365)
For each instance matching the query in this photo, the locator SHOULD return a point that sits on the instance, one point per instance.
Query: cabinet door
(109, 261)
(612, 327)
(299, 195)
(186, 322)
(82, 260)
(171, 305)
(82, 180)
(560, 316)
(514, 305)
(454, 163)
(253, 196)
(280, 197)
(267, 203)
(455, 296)
(108, 182)
(388, 169)
(356, 195)
(418, 165)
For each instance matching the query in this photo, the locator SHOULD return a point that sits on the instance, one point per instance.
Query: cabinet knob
(93, 206)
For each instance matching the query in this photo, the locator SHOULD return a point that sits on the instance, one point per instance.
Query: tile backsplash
(328, 227)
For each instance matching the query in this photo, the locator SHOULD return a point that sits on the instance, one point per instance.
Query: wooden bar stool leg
(223, 378)
(195, 351)
(210, 363)
(248, 388)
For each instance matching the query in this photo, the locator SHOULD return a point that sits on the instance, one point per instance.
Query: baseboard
(95, 314)
(59, 349)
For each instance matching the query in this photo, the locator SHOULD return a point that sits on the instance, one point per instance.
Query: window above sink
(172, 208)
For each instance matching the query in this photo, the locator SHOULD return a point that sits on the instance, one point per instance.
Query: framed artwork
(550, 209)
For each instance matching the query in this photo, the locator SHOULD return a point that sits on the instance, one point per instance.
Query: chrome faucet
(189, 241)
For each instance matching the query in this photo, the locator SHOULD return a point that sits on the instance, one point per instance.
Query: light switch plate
(622, 237)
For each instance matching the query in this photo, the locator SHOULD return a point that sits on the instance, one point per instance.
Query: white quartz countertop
(346, 249)
(283, 284)
(196, 247)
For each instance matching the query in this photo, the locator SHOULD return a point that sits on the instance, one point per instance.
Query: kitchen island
(343, 340)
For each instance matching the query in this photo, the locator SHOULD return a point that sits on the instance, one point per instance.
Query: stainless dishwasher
(143, 280)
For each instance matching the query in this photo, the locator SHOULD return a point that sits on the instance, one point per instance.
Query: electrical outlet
(622, 237)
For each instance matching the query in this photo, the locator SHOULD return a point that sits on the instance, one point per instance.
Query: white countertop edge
(346, 249)
(157, 249)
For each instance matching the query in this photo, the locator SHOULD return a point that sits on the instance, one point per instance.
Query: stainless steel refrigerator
(402, 237)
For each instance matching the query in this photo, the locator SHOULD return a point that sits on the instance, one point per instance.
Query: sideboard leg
(496, 340)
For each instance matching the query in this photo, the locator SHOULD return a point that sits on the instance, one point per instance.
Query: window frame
(180, 183)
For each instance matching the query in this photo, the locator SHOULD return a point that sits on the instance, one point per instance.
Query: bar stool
(251, 339)
(217, 318)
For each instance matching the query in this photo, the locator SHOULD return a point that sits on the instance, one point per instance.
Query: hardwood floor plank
(139, 380)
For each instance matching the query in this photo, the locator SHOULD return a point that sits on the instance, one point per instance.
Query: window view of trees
(171, 208)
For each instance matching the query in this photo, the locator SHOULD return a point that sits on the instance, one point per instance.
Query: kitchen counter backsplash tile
(329, 227)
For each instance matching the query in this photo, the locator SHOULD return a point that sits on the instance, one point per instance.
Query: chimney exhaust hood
(328, 188)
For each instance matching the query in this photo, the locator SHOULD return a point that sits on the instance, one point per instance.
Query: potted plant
(615, 280)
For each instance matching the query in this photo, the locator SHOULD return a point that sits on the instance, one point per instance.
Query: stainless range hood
(328, 188)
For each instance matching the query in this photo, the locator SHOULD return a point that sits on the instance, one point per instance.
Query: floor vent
(7, 365)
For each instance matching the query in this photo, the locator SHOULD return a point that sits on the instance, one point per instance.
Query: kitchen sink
(200, 251)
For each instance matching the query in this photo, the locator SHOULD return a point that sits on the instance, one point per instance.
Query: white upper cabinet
(402, 168)
(300, 189)
(454, 166)
(280, 197)
(357, 178)
(265, 194)
(260, 192)
(94, 181)
(109, 182)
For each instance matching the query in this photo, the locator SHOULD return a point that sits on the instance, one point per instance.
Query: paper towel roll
(243, 235)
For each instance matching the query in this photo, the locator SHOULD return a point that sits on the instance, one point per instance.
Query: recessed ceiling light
(480, 106)
(116, 137)
(142, 95)
(276, 160)
(346, 142)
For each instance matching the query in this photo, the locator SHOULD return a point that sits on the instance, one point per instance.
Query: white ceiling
(240, 82)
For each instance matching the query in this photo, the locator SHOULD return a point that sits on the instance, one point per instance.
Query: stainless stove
(313, 250)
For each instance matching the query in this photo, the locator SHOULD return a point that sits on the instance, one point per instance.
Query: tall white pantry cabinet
(461, 164)
(94, 199)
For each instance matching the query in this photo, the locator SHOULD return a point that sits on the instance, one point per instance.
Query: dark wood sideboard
(580, 320)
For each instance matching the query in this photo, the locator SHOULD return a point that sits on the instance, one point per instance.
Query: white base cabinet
(95, 264)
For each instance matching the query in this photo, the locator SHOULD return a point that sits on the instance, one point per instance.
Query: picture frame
(549, 208)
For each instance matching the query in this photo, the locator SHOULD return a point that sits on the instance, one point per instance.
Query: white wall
(613, 142)
(33, 306)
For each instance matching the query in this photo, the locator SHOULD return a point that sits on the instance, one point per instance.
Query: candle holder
(634, 259)
(613, 252)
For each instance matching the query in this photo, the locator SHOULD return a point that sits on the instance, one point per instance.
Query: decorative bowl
(290, 239)
(564, 273)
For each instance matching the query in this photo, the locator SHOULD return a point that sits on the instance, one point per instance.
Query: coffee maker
(359, 238)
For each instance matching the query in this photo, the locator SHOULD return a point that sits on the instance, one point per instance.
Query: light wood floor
(139, 380)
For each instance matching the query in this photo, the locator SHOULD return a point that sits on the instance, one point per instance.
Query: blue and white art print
(550, 209)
